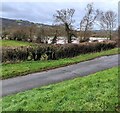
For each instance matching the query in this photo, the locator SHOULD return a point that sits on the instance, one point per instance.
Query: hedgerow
(13, 54)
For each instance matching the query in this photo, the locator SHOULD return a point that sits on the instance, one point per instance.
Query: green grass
(26, 67)
(13, 43)
(96, 92)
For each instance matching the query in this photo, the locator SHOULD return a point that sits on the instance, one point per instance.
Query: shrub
(19, 35)
(53, 51)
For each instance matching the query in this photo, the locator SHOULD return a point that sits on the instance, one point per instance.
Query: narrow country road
(18, 84)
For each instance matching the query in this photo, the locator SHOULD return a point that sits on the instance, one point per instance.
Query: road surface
(22, 83)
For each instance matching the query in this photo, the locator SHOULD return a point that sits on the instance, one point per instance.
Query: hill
(9, 24)
(12, 22)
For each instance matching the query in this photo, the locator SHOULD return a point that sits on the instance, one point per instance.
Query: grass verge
(27, 67)
(13, 43)
(96, 92)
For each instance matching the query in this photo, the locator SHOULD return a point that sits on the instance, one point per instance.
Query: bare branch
(65, 17)
(108, 21)
(88, 20)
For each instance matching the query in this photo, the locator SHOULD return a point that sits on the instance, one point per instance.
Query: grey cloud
(8, 8)
(42, 12)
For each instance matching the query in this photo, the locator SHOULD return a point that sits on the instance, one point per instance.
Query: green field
(96, 92)
(13, 43)
(26, 67)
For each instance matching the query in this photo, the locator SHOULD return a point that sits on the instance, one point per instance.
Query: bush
(19, 35)
(53, 51)
(14, 54)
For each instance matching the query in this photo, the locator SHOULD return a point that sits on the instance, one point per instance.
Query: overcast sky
(42, 12)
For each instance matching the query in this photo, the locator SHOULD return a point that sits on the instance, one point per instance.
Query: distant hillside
(10, 23)
(7, 23)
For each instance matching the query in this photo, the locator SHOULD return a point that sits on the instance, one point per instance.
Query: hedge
(13, 54)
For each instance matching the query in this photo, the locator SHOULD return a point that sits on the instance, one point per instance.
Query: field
(13, 43)
(26, 67)
(96, 92)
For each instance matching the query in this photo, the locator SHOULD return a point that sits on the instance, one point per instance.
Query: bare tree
(65, 17)
(20, 34)
(31, 30)
(108, 22)
(39, 36)
(87, 23)
(54, 40)
(4, 34)
(119, 36)
(44, 33)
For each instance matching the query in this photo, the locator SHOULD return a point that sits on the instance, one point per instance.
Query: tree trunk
(110, 33)
(68, 33)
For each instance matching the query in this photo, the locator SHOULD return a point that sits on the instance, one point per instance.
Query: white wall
(63, 40)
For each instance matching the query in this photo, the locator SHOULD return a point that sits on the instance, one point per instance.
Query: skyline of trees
(106, 21)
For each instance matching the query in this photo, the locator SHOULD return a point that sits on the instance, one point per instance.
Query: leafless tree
(4, 34)
(39, 36)
(65, 17)
(20, 34)
(42, 35)
(31, 30)
(108, 22)
(87, 23)
(54, 40)
(119, 36)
